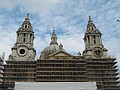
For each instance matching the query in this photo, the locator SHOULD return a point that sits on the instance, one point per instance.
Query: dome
(52, 48)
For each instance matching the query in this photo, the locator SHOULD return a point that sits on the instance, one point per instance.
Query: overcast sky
(70, 17)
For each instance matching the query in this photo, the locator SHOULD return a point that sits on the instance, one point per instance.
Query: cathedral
(57, 65)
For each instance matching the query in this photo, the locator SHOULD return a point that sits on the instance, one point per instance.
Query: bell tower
(23, 49)
(93, 42)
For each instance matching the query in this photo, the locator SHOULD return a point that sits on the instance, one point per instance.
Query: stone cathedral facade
(57, 65)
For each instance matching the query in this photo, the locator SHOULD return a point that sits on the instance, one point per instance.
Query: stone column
(91, 40)
(20, 38)
(32, 39)
(17, 38)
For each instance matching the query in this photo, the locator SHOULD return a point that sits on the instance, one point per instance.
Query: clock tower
(23, 49)
(93, 42)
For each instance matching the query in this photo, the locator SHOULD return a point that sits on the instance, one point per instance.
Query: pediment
(61, 55)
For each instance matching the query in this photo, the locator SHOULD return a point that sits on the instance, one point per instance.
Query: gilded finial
(27, 17)
(27, 14)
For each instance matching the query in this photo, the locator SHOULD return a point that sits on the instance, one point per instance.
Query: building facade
(57, 65)
(2, 84)
(1, 70)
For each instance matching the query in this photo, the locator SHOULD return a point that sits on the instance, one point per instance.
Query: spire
(90, 23)
(91, 28)
(53, 38)
(26, 26)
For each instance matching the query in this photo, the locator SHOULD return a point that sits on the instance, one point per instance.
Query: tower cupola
(93, 41)
(92, 36)
(25, 33)
(23, 49)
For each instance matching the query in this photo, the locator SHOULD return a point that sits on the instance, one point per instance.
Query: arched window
(25, 26)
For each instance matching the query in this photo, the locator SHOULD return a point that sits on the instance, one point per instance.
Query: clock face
(98, 52)
(22, 51)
